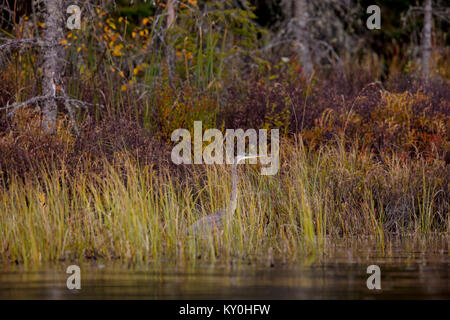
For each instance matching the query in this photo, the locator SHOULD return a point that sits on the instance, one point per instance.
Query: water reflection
(416, 275)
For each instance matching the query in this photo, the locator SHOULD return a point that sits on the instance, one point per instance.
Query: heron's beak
(239, 159)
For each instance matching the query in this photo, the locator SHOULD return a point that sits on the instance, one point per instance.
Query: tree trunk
(170, 13)
(52, 60)
(171, 16)
(301, 16)
(426, 39)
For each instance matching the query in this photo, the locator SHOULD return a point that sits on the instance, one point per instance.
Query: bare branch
(6, 9)
(17, 43)
(442, 14)
(74, 102)
(19, 105)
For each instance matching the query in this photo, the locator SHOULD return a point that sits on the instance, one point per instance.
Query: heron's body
(209, 224)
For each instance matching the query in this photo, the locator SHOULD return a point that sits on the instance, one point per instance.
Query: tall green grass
(138, 214)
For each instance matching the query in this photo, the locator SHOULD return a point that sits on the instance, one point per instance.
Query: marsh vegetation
(364, 150)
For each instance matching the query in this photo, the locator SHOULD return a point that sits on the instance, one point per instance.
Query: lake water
(412, 275)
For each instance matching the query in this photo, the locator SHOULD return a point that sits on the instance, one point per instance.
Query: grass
(139, 214)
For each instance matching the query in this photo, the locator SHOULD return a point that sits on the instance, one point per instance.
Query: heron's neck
(234, 186)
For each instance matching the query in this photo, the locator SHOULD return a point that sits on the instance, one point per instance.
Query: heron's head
(243, 157)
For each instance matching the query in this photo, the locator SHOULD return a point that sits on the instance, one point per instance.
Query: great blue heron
(216, 220)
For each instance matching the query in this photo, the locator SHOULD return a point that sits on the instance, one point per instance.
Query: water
(404, 275)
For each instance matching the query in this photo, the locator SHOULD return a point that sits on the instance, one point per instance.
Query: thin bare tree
(171, 17)
(300, 21)
(171, 13)
(52, 63)
(53, 60)
(317, 30)
(426, 39)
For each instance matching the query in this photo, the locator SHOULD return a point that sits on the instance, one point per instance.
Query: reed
(138, 214)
